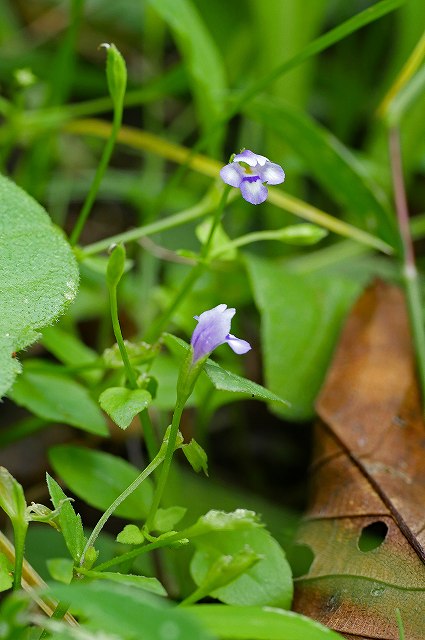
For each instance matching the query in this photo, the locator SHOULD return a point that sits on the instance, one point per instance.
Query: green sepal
(116, 266)
(116, 74)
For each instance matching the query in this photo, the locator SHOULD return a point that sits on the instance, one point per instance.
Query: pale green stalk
(409, 271)
(116, 503)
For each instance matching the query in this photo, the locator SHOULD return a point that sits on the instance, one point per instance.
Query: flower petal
(272, 173)
(238, 345)
(212, 330)
(251, 158)
(253, 191)
(232, 174)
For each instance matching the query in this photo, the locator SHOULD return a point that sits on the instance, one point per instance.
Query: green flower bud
(116, 265)
(116, 74)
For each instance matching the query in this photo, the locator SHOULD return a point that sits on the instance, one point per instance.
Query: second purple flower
(248, 172)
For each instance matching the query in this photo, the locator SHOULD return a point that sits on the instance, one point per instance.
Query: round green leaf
(38, 275)
(269, 582)
(122, 404)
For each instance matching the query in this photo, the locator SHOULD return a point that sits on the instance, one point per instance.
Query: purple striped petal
(253, 190)
(251, 158)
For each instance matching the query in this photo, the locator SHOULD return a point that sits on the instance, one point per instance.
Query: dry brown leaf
(368, 476)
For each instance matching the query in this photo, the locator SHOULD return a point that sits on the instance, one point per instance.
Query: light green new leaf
(196, 456)
(200, 53)
(98, 478)
(333, 165)
(69, 522)
(57, 398)
(12, 498)
(38, 275)
(122, 404)
(301, 316)
(268, 582)
(263, 623)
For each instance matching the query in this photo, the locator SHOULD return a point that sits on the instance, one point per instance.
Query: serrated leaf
(57, 398)
(69, 522)
(225, 380)
(38, 274)
(98, 478)
(122, 405)
(196, 456)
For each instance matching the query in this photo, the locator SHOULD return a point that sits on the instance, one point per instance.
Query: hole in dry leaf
(301, 558)
(372, 536)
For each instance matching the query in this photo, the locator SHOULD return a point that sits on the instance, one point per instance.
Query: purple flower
(213, 330)
(248, 172)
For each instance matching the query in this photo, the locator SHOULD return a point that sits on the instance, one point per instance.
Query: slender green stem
(201, 209)
(131, 376)
(146, 548)
(166, 466)
(116, 503)
(410, 274)
(399, 624)
(100, 172)
(19, 532)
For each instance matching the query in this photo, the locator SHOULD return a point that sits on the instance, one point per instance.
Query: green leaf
(224, 380)
(152, 585)
(131, 534)
(332, 164)
(138, 352)
(300, 319)
(215, 520)
(98, 478)
(6, 573)
(39, 275)
(123, 611)
(166, 519)
(223, 570)
(265, 623)
(12, 498)
(268, 582)
(57, 398)
(227, 381)
(122, 405)
(69, 522)
(196, 456)
(69, 349)
(201, 55)
(61, 569)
